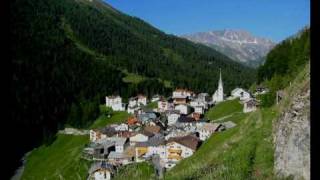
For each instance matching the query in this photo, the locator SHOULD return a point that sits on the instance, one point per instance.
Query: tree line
(68, 55)
(283, 63)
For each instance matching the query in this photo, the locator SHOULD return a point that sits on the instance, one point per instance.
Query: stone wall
(292, 136)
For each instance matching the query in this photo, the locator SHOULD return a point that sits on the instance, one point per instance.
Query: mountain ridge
(238, 44)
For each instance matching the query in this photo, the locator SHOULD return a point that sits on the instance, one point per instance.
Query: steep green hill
(283, 63)
(286, 59)
(247, 151)
(61, 159)
(68, 54)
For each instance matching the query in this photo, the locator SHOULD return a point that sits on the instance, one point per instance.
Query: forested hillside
(68, 54)
(285, 60)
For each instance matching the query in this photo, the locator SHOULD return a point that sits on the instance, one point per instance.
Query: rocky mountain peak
(238, 44)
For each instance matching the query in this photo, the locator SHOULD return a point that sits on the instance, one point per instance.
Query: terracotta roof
(189, 141)
(126, 134)
(153, 129)
(132, 120)
(147, 133)
(196, 116)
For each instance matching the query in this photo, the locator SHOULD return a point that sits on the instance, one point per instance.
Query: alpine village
(163, 135)
(101, 95)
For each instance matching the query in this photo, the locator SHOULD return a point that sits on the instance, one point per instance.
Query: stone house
(101, 171)
(250, 105)
(240, 93)
(181, 147)
(118, 158)
(183, 108)
(205, 130)
(172, 117)
(115, 102)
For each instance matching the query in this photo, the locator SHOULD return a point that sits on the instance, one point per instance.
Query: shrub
(104, 110)
(268, 99)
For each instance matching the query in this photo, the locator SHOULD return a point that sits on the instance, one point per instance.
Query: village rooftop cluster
(164, 135)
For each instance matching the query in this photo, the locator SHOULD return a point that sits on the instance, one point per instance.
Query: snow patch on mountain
(239, 45)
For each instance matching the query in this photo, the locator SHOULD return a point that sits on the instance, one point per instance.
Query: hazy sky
(274, 19)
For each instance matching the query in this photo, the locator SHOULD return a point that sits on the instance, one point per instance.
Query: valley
(100, 94)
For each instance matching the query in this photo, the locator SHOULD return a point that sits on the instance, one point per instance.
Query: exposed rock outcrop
(292, 135)
(73, 131)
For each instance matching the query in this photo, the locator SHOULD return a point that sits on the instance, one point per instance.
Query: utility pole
(277, 97)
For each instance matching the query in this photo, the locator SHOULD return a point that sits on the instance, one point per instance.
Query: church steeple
(218, 94)
(220, 80)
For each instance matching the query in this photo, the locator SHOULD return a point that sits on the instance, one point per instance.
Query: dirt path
(225, 117)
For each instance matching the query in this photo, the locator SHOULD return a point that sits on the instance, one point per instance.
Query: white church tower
(218, 94)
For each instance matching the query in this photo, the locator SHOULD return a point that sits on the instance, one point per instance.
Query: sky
(273, 19)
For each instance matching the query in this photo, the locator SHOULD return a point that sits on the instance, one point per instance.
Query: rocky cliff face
(239, 45)
(292, 134)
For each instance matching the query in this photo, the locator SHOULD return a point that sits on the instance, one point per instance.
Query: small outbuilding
(250, 105)
(100, 171)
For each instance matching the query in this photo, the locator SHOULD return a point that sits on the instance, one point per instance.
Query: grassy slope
(59, 160)
(224, 109)
(117, 117)
(141, 171)
(133, 78)
(136, 79)
(243, 152)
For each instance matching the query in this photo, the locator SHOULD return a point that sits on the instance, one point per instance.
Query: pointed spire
(220, 79)
(218, 94)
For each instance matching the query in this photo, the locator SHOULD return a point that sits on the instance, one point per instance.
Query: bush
(268, 99)
(104, 110)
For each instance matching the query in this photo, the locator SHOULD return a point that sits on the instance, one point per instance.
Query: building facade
(218, 94)
(115, 102)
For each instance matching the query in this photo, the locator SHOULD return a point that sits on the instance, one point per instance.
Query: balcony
(141, 151)
(179, 151)
(174, 156)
